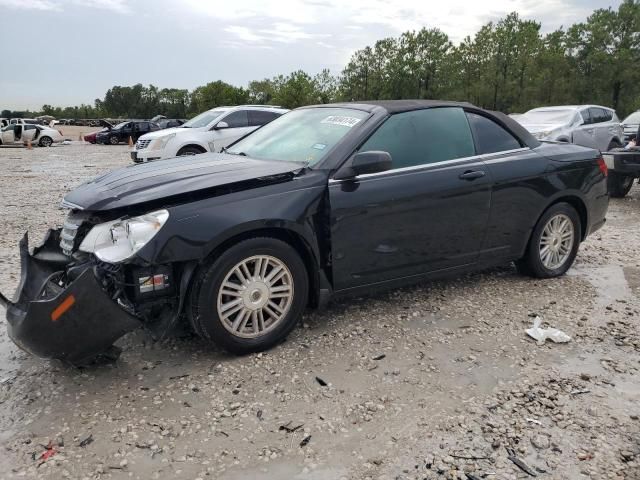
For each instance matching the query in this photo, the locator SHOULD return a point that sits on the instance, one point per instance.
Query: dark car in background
(323, 201)
(133, 129)
(91, 137)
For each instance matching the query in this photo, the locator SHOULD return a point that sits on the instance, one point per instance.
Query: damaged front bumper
(60, 309)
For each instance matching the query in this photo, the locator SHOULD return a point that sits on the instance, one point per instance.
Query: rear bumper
(74, 322)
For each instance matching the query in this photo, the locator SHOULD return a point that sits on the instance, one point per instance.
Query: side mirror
(365, 162)
(221, 125)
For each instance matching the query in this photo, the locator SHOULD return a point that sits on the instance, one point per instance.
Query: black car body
(351, 216)
(123, 131)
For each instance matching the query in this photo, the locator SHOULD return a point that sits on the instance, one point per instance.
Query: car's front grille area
(74, 229)
(142, 144)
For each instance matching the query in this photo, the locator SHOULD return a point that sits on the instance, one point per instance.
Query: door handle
(471, 175)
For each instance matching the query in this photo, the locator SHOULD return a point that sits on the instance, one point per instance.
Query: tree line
(508, 65)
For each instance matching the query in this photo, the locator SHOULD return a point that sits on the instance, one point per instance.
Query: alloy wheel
(255, 295)
(556, 241)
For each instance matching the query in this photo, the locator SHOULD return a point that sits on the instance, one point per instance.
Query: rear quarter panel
(527, 184)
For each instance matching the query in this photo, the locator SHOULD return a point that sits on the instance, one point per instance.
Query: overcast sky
(66, 52)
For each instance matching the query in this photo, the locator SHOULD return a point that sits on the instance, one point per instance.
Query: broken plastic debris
(541, 334)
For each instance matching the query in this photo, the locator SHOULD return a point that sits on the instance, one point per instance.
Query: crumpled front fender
(74, 322)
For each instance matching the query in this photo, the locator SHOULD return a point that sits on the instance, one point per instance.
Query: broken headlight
(116, 241)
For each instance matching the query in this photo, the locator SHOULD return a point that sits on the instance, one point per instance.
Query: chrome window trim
(430, 165)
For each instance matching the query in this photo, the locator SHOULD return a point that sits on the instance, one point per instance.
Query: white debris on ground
(436, 381)
(542, 334)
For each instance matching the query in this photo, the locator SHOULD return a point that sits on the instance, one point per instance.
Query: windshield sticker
(339, 120)
(319, 146)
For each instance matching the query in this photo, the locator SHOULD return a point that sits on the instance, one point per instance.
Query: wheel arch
(576, 202)
(288, 236)
(195, 145)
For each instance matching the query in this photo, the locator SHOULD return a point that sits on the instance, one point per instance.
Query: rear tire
(45, 142)
(251, 296)
(554, 243)
(619, 185)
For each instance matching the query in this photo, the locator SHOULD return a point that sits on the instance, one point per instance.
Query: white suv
(208, 132)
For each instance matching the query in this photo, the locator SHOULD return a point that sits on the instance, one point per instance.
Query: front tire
(113, 140)
(619, 185)
(187, 151)
(45, 142)
(251, 296)
(554, 243)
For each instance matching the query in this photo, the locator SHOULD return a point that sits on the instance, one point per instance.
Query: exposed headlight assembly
(119, 240)
(161, 142)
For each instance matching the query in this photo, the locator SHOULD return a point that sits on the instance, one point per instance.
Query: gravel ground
(434, 381)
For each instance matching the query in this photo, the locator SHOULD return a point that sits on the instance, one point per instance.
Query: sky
(67, 52)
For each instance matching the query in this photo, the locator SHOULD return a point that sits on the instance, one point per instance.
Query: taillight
(603, 166)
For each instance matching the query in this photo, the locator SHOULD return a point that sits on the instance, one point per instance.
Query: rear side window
(258, 118)
(598, 115)
(423, 136)
(236, 119)
(489, 136)
(29, 127)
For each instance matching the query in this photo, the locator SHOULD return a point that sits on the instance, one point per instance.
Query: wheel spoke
(255, 296)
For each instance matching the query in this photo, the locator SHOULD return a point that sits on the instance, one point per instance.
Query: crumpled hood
(541, 127)
(146, 182)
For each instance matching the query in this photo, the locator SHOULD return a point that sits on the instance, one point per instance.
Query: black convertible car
(326, 200)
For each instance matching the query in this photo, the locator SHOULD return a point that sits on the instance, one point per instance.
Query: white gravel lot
(433, 381)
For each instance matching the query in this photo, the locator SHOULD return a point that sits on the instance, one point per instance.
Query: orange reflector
(60, 310)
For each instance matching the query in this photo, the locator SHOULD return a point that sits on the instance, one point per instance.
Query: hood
(541, 127)
(105, 124)
(167, 179)
(162, 133)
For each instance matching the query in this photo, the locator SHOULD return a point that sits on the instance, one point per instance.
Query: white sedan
(38, 134)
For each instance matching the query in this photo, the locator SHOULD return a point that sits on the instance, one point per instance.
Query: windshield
(633, 118)
(120, 125)
(204, 119)
(533, 117)
(300, 136)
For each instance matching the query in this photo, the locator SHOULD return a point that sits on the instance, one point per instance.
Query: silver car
(588, 125)
(630, 125)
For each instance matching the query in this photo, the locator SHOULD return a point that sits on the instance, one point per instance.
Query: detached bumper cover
(73, 323)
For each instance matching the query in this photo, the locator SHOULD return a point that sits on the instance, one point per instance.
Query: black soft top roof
(399, 106)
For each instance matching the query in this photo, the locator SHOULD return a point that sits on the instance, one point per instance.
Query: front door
(238, 126)
(8, 136)
(428, 213)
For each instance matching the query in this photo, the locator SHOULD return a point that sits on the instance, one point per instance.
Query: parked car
(91, 137)
(588, 125)
(630, 125)
(17, 134)
(125, 130)
(208, 132)
(326, 200)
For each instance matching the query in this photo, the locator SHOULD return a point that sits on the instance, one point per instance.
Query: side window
(236, 119)
(258, 118)
(596, 115)
(142, 126)
(29, 127)
(489, 136)
(607, 115)
(423, 136)
(586, 117)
